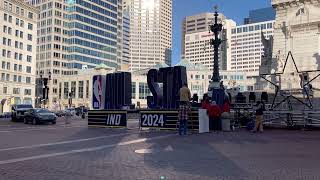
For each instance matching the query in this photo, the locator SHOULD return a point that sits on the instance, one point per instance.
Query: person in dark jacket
(259, 117)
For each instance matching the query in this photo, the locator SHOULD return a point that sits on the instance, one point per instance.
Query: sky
(233, 9)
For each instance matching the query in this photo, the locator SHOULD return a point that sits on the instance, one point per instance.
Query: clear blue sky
(233, 9)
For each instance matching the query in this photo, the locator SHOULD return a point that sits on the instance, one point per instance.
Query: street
(76, 152)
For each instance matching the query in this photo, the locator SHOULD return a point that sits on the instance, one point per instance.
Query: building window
(29, 48)
(20, 68)
(8, 77)
(133, 86)
(21, 34)
(8, 65)
(28, 80)
(10, 19)
(29, 58)
(10, 30)
(257, 27)
(19, 79)
(65, 90)
(5, 90)
(143, 90)
(3, 76)
(29, 37)
(3, 65)
(17, 21)
(60, 90)
(20, 57)
(87, 89)
(5, 5)
(30, 26)
(5, 29)
(28, 69)
(4, 41)
(27, 92)
(5, 17)
(15, 67)
(80, 89)
(30, 15)
(73, 89)
(54, 90)
(16, 90)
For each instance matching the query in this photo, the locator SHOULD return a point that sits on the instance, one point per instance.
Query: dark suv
(18, 110)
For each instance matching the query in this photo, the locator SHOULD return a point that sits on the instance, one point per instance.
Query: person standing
(184, 108)
(67, 116)
(259, 117)
(205, 102)
(214, 114)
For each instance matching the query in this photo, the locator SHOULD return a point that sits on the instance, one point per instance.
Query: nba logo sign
(98, 92)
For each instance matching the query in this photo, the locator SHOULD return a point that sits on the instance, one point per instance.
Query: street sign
(105, 118)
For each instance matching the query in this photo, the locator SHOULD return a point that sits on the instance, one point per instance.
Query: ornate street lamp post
(216, 28)
(45, 88)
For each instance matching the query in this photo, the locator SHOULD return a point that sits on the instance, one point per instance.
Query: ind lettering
(118, 120)
(112, 119)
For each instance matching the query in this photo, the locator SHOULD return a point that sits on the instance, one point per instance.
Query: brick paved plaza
(76, 152)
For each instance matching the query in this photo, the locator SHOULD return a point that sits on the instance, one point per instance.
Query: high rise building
(247, 48)
(74, 35)
(126, 38)
(150, 32)
(18, 37)
(260, 15)
(196, 40)
(195, 24)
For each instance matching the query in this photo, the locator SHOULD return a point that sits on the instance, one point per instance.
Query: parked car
(18, 110)
(38, 115)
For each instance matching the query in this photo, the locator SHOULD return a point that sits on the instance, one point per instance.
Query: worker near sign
(260, 107)
(184, 108)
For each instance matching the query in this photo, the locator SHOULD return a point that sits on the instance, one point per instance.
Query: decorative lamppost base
(215, 90)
